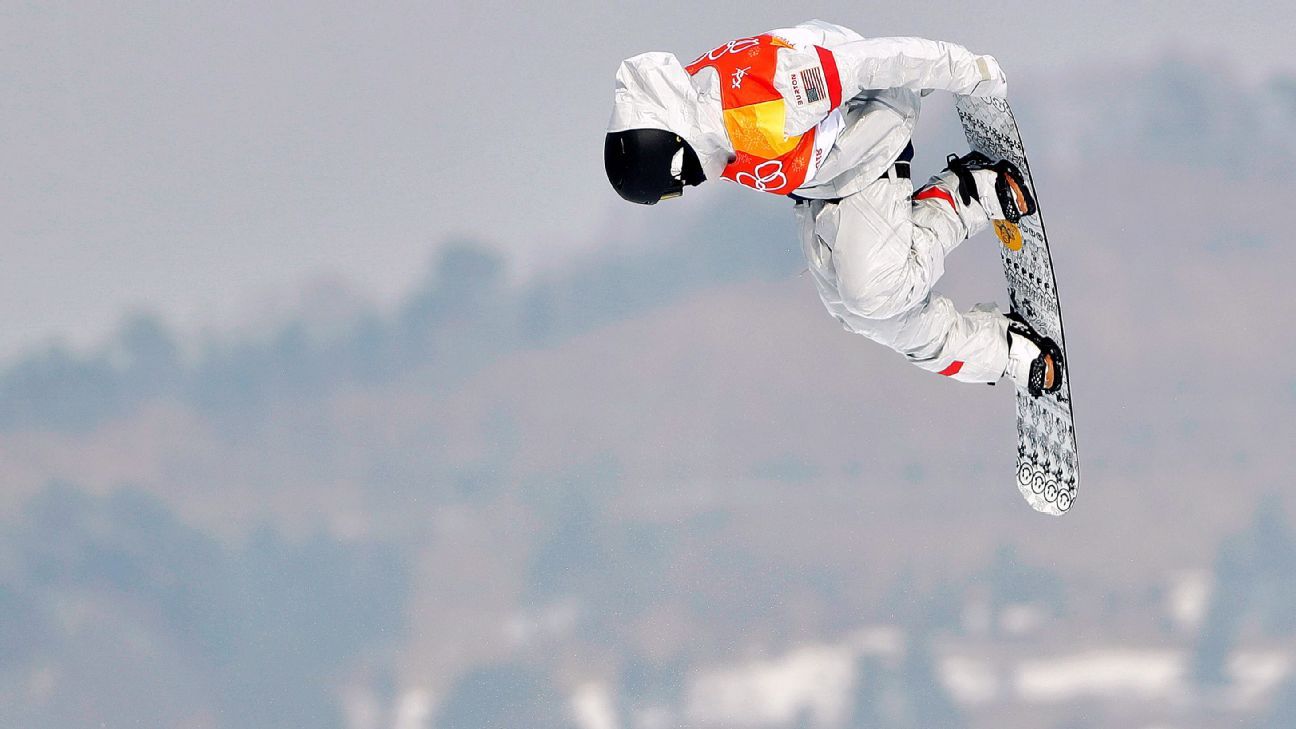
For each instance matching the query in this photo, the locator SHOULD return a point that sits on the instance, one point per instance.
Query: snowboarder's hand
(994, 83)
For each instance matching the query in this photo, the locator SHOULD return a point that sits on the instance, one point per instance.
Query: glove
(994, 83)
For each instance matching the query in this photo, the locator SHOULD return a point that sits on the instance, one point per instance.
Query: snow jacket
(815, 109)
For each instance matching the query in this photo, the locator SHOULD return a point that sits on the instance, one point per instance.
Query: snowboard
(1048, 469)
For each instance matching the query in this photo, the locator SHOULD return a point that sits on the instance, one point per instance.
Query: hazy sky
(202, 160)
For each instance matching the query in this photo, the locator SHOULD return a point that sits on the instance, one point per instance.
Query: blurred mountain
(619, 480)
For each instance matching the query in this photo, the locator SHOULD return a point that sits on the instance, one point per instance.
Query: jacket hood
(653, 91)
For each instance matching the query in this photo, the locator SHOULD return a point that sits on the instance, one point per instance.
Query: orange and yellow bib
(755, 114)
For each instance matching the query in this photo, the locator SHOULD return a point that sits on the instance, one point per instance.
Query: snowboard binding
(1008, 183)
(1034, 361)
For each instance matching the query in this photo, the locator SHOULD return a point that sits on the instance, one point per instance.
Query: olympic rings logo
(733, 46)
(767, 176)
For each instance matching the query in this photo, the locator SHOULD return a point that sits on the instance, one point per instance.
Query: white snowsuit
(874, 248)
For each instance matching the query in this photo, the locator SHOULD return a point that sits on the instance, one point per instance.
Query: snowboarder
(824, 116)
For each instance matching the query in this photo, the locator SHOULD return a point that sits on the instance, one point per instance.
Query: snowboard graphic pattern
(1048, 470)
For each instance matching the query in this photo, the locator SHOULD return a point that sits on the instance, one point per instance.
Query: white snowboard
(1048, 469)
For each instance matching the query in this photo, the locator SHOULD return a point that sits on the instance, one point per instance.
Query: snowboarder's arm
(918, 64)
(888, 63)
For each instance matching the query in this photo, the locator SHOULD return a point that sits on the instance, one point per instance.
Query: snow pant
(875, 256)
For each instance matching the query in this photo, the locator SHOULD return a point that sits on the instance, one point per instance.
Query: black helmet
(647, 165)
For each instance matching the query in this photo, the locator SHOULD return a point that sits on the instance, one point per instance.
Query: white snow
(1022, 618)
(554, 620)
(1188, 598)
(813, 680)
(969, 681)
(365, 710)
(1255, 673)
(413, 710)
(878, 640)
(1107, 674)
(592, 707)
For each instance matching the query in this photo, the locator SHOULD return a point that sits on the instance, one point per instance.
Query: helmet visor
(675, 187)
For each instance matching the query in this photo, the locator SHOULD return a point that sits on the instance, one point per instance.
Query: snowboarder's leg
(966, 346)
(875, 256)
(976, 190)
(973, 191)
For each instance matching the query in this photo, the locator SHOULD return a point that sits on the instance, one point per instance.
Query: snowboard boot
(999, 186)
(1034, 361)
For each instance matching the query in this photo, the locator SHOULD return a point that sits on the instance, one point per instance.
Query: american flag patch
(812, 81)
